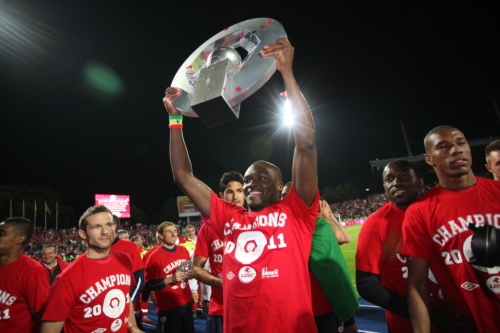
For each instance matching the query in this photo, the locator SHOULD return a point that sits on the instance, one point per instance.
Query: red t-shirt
(24, 288)
(379, 242)
(266, 264)
(161, 264)
(148, 254)
(320, 303)
(436, 229)
(92, 294)
(132, 250)
(209, 245)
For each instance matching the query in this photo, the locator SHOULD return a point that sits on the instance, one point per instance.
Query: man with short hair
(24, 284)
(190, 233)
(492, 152)
(210, 251)
(268, 246)
(53, 263)
(93, 293)
(172, 293)
(380, 270)
(122, 234)
(436, 234)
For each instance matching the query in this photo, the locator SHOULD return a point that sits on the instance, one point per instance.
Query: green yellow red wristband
(175, 122)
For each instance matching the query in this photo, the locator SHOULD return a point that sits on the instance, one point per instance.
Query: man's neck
(54, 263)
(97, 253)
(457, 183)
(9, 258)
(168, 246)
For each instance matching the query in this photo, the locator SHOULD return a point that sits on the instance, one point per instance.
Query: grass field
(349, 250)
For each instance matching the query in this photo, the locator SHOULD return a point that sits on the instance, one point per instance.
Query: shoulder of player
(373, 221)
(31, 265)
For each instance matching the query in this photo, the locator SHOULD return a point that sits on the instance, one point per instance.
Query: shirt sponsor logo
(230, 275)
(99, 330)
(247, 274)
(494, 284)
(469, 286)
(115, 326)
(269, 274)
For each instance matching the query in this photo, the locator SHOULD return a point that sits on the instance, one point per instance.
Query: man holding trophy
(268, 246)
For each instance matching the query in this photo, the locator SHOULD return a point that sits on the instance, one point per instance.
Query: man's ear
(82, 234)
(428, 160)
(221, 195)
(20, 239)
(488, 167)
(279, 186)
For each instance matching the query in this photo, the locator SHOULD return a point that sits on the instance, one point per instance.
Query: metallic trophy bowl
(226, 70)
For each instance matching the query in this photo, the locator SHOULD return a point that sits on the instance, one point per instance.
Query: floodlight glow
(288, 114)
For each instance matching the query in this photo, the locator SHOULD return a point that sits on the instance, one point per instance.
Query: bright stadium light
(288, 113)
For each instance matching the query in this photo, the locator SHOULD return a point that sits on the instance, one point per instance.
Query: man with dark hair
(492, 152)
(172, 293)
(436, 234)
(53, 263)
(209, 251)
(268, 246)
(123, 234)
(24, 284)
(93, 293)
(380, 270)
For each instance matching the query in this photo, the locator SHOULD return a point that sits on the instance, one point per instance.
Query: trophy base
(208, 100)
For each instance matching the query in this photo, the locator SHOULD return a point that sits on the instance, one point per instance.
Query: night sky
(363, 68)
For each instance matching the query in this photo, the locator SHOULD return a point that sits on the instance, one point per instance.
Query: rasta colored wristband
(175, 122)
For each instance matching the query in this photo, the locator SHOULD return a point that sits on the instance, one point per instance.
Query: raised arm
(417, 294)
(196, 190)
(341, 234)
(305, 164)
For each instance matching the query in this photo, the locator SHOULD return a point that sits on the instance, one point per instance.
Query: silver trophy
(226, 70)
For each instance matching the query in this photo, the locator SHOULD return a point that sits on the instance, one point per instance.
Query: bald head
(427, 139)
(271, 167)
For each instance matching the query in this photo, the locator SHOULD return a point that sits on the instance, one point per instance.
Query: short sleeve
(61, 300)
(416, 240)
(202, 243)
(369, 252)
(37, 290)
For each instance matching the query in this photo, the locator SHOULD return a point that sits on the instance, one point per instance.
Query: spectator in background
(53, 263)
(492, 152)
(122, 234)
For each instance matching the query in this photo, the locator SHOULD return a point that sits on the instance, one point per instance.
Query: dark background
(363, 68)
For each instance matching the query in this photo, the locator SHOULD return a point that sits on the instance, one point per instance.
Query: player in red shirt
(381, 272)
(436, 235)
(267, 248)
(24, 284)
(53, 263)
(93, 293)
(210, 249)
(492, 152)
(173, 297)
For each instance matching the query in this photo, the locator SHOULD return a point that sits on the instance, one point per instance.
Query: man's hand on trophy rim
(170, 94)
(283, 50)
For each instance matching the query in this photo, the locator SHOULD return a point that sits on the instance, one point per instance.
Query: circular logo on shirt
(183, 285)
(115, 326)
(250, 246)
(247, 274)
(494, 284)
(114, 303)
(468, 255)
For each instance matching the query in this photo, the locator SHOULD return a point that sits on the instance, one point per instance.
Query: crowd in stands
(70, 245)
